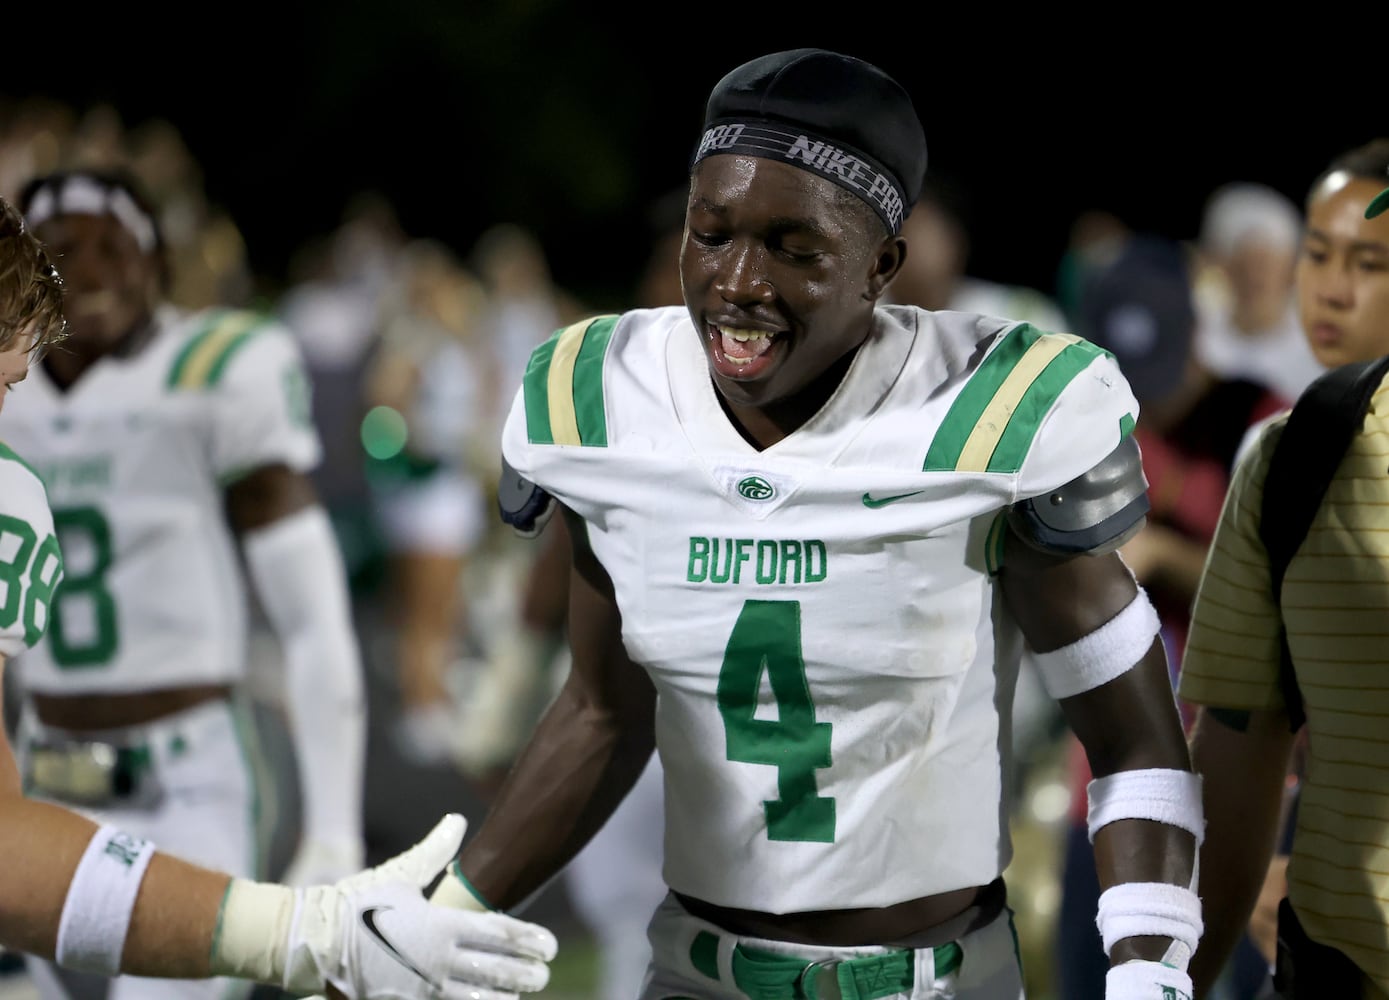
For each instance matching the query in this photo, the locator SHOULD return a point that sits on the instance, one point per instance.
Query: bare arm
(1129, 723)
(583, 758)
(175, 912)
(1244, 772)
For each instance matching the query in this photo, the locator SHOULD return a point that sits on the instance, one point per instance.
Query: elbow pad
(523, 505)
(1094, 513)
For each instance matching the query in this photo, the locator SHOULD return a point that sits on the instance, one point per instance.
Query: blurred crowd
(415, 349)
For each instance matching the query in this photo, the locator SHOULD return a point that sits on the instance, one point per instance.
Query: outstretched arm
(170, 929)
(583, 758)
(98, 900)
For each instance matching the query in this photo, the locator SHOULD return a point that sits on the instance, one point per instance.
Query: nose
(743, 276)
(1334, 286)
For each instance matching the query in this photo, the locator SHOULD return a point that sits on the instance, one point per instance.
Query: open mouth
(741, 353)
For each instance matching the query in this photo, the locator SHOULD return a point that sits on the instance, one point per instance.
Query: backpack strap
(1326, 418)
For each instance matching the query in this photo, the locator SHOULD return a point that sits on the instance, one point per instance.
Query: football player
(102, 900)
(174, 448)
(812, 536)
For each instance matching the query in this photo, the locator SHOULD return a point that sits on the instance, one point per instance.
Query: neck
(764, 426)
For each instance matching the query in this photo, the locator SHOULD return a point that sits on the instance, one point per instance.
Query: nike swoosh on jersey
(875, 502)
(369, 922)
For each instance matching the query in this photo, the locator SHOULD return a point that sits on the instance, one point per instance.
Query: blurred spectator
(1095, 238)
(524, 306)
(935, 275)
(425, 399)
(1247, 324)
(33, 136)
(332, 306)
(210, 264)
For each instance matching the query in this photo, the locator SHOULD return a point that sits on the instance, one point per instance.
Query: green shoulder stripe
(9, 454)
(993, 420)
(204, 358)
(563, 385)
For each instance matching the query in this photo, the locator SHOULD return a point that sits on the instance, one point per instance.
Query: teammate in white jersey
(103, 901)
(172, 447)
(813, 536)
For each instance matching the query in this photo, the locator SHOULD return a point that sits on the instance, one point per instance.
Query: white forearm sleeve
(298, 573)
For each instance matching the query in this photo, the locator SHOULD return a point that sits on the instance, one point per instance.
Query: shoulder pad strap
(523, 505)
(1093, 513)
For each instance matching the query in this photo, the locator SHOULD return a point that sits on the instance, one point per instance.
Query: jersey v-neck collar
(709, 429)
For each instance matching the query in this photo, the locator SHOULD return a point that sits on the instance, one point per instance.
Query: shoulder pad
(1093, 513)
(523, 505)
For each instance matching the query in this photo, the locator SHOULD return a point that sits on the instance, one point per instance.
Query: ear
(887, 261)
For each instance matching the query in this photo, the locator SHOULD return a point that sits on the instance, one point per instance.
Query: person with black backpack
(1290, 629)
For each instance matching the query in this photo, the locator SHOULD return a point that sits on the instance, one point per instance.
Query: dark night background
(571, 118)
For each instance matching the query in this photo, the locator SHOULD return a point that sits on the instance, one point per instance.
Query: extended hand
(375, 937)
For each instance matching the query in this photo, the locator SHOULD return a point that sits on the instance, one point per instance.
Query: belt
(765, 975)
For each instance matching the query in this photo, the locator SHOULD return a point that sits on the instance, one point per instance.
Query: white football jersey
(31, 566)
(833, 662)
(136, 455)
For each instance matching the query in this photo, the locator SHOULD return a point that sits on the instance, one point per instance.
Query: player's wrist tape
(1151, 909)
(1163, 795)
(1140, 980)
(454, 890)
(272, 934)
(1097, 658)
(100, 900)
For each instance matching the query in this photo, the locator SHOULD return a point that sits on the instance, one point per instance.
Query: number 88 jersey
(31, 566)
(136, 455)
(833, 666)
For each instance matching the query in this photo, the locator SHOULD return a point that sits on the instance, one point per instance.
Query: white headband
(85, 196)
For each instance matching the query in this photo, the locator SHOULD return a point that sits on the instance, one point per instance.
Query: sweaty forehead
(752, 188)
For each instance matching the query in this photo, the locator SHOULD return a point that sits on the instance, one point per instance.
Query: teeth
(743, 336)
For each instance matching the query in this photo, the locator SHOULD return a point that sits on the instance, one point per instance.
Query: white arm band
(1151, 909)
(100, 900)
(1163, 795)
(1112, 649)
(298, 573)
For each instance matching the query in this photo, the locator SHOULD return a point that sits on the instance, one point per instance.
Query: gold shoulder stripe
(979, 446)
(195, 368)
(559, 384)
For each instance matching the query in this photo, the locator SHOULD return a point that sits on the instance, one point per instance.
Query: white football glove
(319, 861)
(1141, 980)
(375, 937)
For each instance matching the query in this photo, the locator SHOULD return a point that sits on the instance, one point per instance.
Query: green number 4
(40, 569)
(767, 637)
